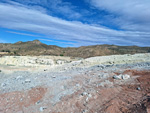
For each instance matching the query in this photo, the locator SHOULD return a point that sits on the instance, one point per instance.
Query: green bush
(15, 52)
(5, 51)
(61, 55)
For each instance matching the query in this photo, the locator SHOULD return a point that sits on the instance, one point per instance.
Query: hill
(37, 48)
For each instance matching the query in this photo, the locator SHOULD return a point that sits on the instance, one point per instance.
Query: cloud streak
(132, 14)
(27, 19)
(2, 41)
(53, 7)
(61, 42)
(25, 34)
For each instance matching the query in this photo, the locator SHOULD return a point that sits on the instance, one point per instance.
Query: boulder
(27, 81)
(121, 76)
(42, 108)
(125, 77)
(117, 77)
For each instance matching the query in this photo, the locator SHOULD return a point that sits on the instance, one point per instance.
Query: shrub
(5, 51)
(61, 55)
(15, 52)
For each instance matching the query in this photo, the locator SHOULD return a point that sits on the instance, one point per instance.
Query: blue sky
(76, 23)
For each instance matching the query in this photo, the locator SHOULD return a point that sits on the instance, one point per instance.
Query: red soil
(127, 98)
(15, 101)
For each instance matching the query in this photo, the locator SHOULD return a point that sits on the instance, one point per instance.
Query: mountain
(36, 47)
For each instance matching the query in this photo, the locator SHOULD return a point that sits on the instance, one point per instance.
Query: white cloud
(132, 14)
(53, 7)
(23, 18)
(3, 41)
(26, 34)
(60, 42)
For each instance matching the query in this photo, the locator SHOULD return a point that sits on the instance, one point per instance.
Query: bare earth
(108, 84)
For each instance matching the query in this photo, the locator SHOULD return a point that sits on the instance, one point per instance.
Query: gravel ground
(80, 78)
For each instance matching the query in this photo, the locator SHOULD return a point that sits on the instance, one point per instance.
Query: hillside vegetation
(37, 48)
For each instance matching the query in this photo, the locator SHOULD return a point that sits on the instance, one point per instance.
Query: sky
(74, 23)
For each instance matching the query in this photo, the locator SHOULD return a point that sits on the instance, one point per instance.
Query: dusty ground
(91, 89)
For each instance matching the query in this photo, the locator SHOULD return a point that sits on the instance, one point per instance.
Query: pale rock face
(60, 62)
(117, 59)
(36, 61)
(25, 61)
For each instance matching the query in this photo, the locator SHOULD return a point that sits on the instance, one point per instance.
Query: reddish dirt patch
(143, 80)
(15, 101)
(127, 98)
(143, 105)
(134, 98)
(119, 99)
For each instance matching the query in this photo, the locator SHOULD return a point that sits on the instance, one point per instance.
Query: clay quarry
(59, 84)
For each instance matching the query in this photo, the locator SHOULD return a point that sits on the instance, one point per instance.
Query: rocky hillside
(37, 48)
